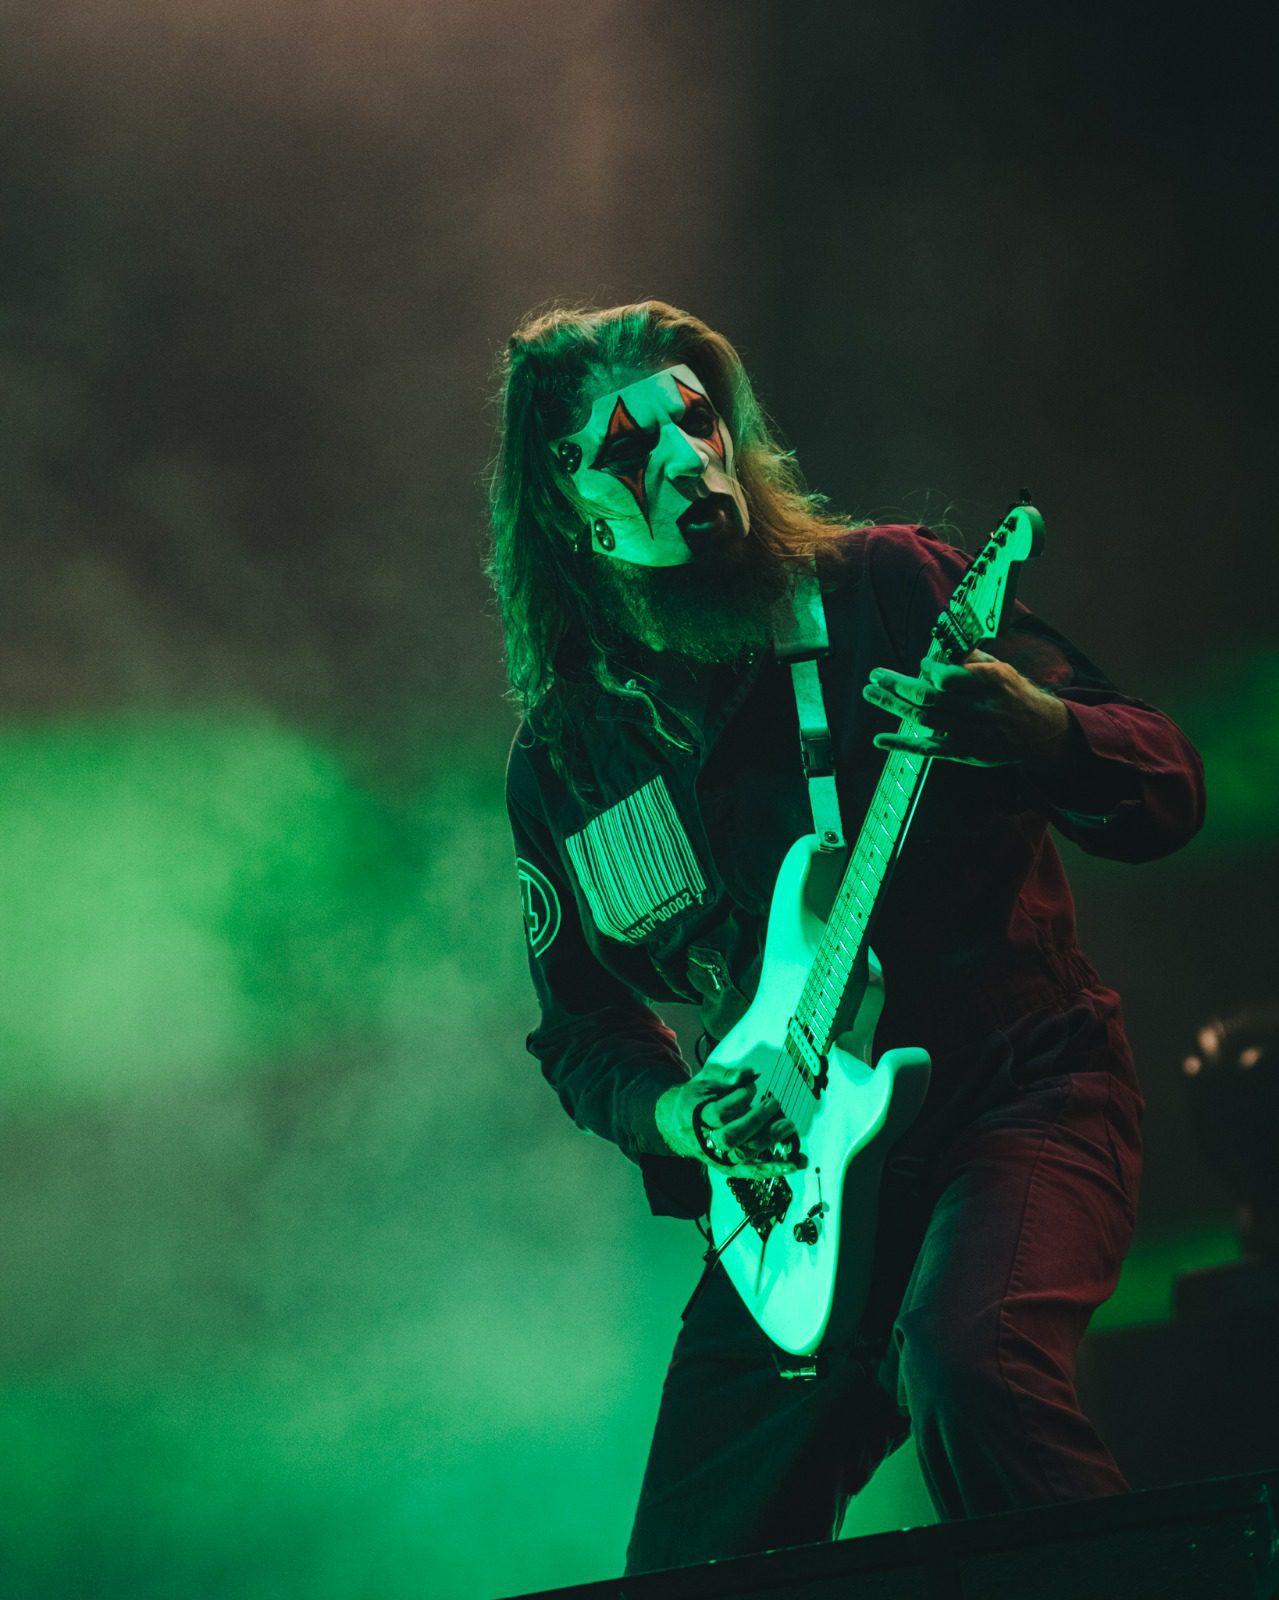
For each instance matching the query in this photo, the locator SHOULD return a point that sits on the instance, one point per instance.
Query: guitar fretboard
(975, 611)
(877, 846)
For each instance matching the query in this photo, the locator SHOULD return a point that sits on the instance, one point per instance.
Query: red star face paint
(653, 466)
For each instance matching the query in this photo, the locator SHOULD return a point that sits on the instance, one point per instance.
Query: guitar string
(850, 913)
(820, 1000)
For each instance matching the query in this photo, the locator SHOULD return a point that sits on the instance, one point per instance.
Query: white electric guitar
(798, 1248)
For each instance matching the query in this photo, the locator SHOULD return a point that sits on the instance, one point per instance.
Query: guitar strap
(801, 639)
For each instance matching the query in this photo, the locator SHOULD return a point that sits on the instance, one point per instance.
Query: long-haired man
(647, 525)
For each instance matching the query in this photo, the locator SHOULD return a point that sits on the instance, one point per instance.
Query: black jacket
(658, 887)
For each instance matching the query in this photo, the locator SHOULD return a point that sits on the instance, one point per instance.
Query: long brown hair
(555, 646)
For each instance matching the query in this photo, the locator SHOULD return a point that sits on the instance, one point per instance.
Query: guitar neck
(878, 844)
(974, 612)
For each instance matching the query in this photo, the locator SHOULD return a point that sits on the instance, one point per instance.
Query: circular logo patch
(541, 907)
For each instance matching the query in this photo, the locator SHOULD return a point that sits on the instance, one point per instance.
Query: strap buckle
(817, 750)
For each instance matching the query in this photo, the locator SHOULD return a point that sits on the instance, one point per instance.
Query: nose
(682, 461)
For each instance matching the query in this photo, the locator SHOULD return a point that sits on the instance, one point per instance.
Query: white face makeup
(652, 453)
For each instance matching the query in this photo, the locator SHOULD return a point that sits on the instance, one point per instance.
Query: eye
(699, 419)
(631, 450)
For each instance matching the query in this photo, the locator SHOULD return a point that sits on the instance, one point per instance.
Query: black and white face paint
(654, 468)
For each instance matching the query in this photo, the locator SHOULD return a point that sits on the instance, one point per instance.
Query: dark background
(309, 1282)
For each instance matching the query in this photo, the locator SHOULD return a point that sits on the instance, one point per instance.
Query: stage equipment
(1199, 1541)
(1199, 1395)
(1232, 1097)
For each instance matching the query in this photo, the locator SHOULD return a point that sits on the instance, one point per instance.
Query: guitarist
(646, 522)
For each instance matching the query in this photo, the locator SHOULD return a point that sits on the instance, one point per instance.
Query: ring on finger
(721, 1156)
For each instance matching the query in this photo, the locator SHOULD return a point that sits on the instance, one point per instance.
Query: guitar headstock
(979, 606)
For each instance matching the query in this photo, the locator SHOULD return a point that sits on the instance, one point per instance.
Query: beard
(707, 611)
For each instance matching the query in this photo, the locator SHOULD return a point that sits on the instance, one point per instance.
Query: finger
(885, 683)
(768, 1144)
(719, 1080)
(788, 1159)
(895, 706)
(951, 679)
(934, 677)
(939, 747)
(727, 1108)
(760, 1122)
(930, 745)
(976, 730)
(780, 1143)
(715, 1095)
(972, 702)
(951, 712)
(738, 1131)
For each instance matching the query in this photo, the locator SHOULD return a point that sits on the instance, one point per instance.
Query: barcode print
(635, 864)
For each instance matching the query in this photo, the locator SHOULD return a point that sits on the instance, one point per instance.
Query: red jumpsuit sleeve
(1132, 785)
(606, 1053)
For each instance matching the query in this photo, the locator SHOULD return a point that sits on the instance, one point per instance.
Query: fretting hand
(984, 713)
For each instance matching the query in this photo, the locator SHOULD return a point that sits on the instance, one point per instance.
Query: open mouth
(712, 512)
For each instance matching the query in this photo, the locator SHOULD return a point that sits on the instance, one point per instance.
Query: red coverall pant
(992, 1254)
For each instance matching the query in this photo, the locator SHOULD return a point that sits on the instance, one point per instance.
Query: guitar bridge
(764, 1200)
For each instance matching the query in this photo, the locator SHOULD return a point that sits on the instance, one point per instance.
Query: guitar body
(809, 1290)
